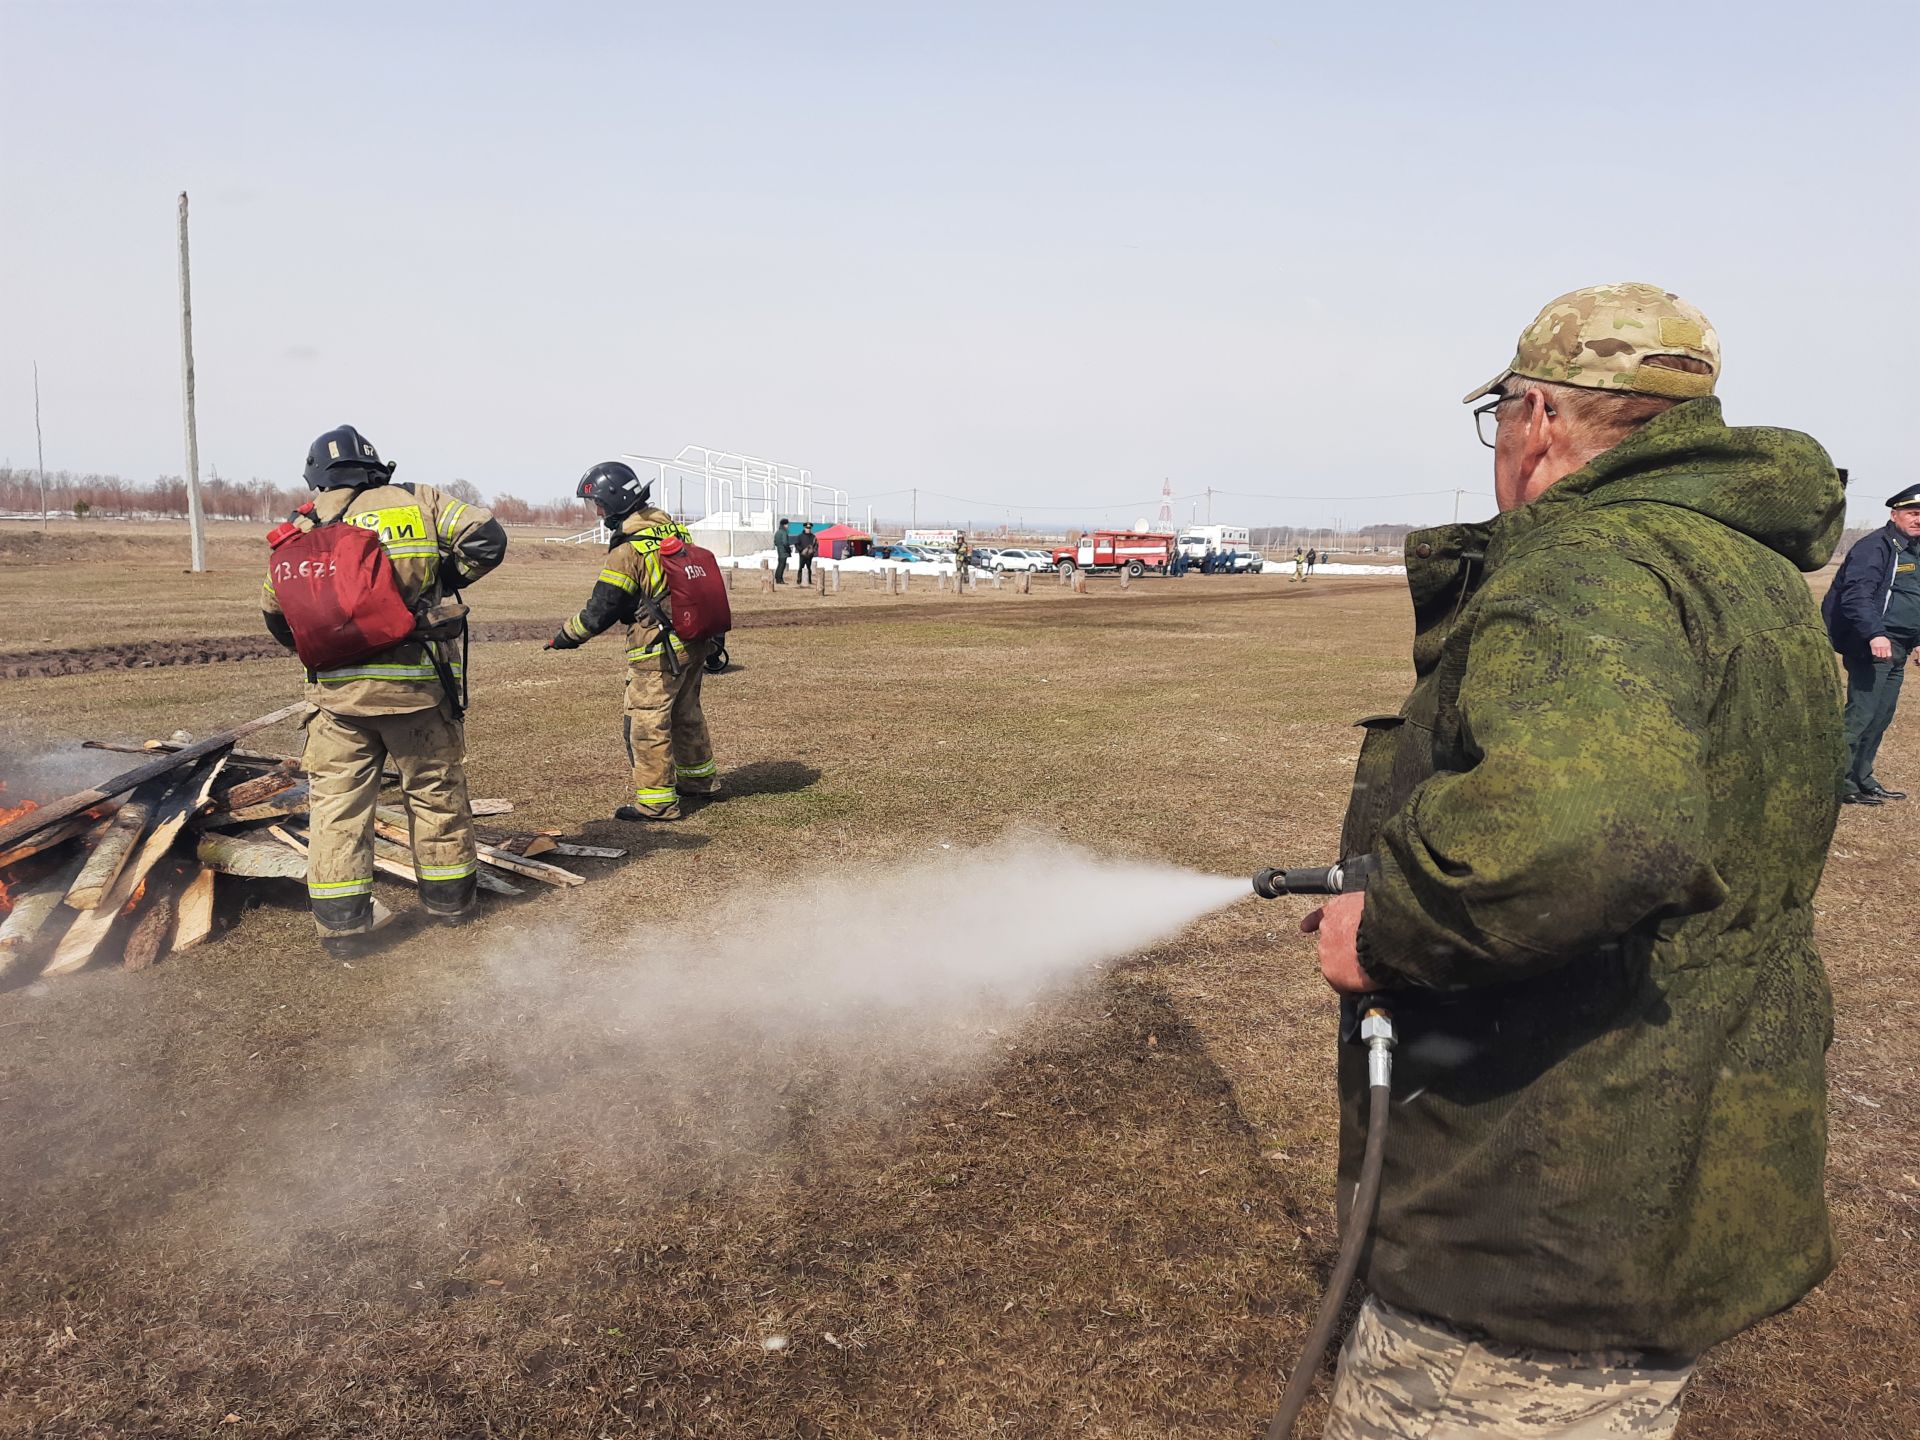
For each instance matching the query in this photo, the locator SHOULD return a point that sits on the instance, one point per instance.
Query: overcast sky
(1037, 256)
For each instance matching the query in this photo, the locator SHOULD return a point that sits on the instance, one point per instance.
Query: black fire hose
(1376, 1031)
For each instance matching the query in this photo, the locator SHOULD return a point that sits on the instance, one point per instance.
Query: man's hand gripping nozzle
(1377, 1034)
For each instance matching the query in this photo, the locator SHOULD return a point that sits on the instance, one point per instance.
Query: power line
(1349, 495)
(1021, 505)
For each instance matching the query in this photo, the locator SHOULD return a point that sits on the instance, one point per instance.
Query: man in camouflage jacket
(1599, 821)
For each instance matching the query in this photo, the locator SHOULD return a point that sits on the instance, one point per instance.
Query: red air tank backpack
(696, 592)
(338, 591)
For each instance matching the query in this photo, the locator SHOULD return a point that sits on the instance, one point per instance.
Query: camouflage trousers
(1403, 1377)
(344, 757)
(666, 733)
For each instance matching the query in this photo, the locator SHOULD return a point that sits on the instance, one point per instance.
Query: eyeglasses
(1486, 420)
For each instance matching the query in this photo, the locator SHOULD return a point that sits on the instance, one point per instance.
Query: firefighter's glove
(445, 621)
(563, 641)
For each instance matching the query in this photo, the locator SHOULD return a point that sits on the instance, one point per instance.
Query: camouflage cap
(1599, 338)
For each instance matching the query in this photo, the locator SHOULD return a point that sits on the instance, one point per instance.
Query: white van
(1195, 539)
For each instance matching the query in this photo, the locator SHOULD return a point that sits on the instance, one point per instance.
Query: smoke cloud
(685, 1052)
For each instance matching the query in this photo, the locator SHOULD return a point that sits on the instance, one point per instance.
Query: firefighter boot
(360, 942)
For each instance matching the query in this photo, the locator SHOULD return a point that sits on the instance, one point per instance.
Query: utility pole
(1209, 504)
(1456, 506)
(195, 521)
(914, 522)
(39, 447)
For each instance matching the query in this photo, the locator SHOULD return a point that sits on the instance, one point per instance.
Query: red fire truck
(1110, 551)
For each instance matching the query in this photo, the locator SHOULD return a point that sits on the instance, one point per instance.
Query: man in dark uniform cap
(1873, 619)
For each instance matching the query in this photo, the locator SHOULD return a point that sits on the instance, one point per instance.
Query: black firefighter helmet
(344, 457)
(614, 488)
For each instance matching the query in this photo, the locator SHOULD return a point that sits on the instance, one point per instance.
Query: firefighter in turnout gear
(400, 704)
(960, 562)
(666, 733)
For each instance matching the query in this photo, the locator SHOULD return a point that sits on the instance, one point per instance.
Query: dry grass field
(494, 1183)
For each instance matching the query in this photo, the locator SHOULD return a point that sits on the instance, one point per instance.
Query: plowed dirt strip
(1039, 610)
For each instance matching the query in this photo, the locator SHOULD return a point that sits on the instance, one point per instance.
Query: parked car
(1247, 563)
(901, 554)
(1021, 560)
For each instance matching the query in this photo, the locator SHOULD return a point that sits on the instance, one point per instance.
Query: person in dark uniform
(782, 548)
(808, 547)
(1873, 619)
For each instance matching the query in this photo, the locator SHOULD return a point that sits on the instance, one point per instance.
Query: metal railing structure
(599, 535)
(734, 496)
(739, 495)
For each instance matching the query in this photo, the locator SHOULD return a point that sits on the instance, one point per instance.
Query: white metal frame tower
(743, 492)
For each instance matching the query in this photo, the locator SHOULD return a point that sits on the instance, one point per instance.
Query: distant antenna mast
(195, 525)
(39, 449)
(1166, 503)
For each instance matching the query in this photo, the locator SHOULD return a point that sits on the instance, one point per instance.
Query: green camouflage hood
(1776, 486)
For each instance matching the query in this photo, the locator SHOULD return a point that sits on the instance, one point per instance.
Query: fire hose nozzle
(1335, 879)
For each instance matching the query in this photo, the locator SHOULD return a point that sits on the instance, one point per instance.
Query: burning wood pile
(127, 870)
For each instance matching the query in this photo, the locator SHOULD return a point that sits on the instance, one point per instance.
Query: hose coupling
(1376, 1031)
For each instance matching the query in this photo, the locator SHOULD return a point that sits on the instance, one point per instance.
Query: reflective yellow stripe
(451, 515)
(576, 628)
(385, 672)
(446, 872)
(339, 888)
(267, 586)
(652, 652)
(696, 772)
(614, 577)
(657, 797)
(413, 551)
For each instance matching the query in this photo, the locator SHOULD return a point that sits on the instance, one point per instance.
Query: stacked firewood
(128, 870)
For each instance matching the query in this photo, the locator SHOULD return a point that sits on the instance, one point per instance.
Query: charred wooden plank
(294, 801)
(82, 940)
(47, 839)
(49, 815)
(112, 851)
(260, 789)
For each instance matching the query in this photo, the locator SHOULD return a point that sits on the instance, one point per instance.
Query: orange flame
(139, 892)
(7, 817)
(10, 814)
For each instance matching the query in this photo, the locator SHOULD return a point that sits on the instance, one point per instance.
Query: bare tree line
(110, 497)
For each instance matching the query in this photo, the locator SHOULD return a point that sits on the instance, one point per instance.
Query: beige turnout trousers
(344, 756)
(666, 733)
